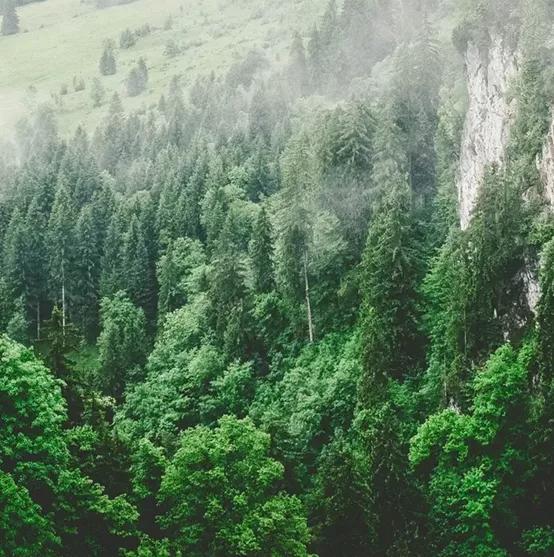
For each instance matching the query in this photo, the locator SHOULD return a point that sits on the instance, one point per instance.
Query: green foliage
(471, 484)
(47, 506)
(390, 270)
(274, 294)
(221, 495)
(122, 343)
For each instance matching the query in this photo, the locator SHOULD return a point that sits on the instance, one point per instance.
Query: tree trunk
(63, 298)
(38, 319)
(308, 304)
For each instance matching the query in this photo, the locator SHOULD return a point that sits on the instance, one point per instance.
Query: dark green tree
(122, 343)
(392, 345)
(261, 254)
(228, 502)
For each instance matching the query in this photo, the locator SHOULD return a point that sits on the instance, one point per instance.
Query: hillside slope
(62, 40)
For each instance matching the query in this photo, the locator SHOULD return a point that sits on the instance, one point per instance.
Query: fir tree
(261, 254)
(88, 250)
(390, 271)
(97, 92)
(108, 65)
(60, 245)
(136, 264)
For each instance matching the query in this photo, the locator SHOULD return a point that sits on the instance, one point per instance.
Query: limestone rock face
(488, 119)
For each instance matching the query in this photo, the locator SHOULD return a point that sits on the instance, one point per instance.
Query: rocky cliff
(487, 126)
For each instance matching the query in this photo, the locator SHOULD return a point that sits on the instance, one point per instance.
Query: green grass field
(63, 39)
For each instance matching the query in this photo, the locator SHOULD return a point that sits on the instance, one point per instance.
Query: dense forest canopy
(247, 320)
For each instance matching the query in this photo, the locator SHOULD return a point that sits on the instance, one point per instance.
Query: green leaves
(220, 495)
(469, 463)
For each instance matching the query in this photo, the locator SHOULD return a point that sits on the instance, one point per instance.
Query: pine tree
(87, 249)
(13, 258)
(261, 254)
(355, 138)
(137, 79)
(136, 266)
(315, 58)
(36, 260)
(61, 338)
(10, 19)
(228, 292)
(112, 144)
(111, 279)
(390, 270)
(108, 65)
(97, 92)
(60, 245)
(17, 327)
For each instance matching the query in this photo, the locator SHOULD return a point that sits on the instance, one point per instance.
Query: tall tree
(122, 343)
(136, 265)
(88, 251)
(261, 253)
(60, 245)
(390, 271)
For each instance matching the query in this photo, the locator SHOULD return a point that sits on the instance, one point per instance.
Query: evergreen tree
(17, 328)
(60, 245)
(61, 338)
(97, 92)
(138, 79)
(228, 292)
(261, 254)
(298, 69)
(111, 278)
(315, 58)
(13, 259)
(390, 270)
(108, 65)
(88, 250)
(122, 343)
(136, 265)
(36, 259)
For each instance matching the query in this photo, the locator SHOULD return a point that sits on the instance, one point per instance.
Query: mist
(276, 278)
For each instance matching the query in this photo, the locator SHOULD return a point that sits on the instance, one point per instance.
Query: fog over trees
(253, 317)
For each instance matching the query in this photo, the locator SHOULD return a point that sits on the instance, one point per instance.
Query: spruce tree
(60, 245)
(298, 68)
(97, 92)
(88, 250)
(390, 271)
(136, 266)
(261, 252)
(108, 65)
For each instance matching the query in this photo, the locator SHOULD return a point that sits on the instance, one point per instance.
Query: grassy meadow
(62, 40)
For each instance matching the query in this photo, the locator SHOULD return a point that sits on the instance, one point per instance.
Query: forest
(266, 317)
